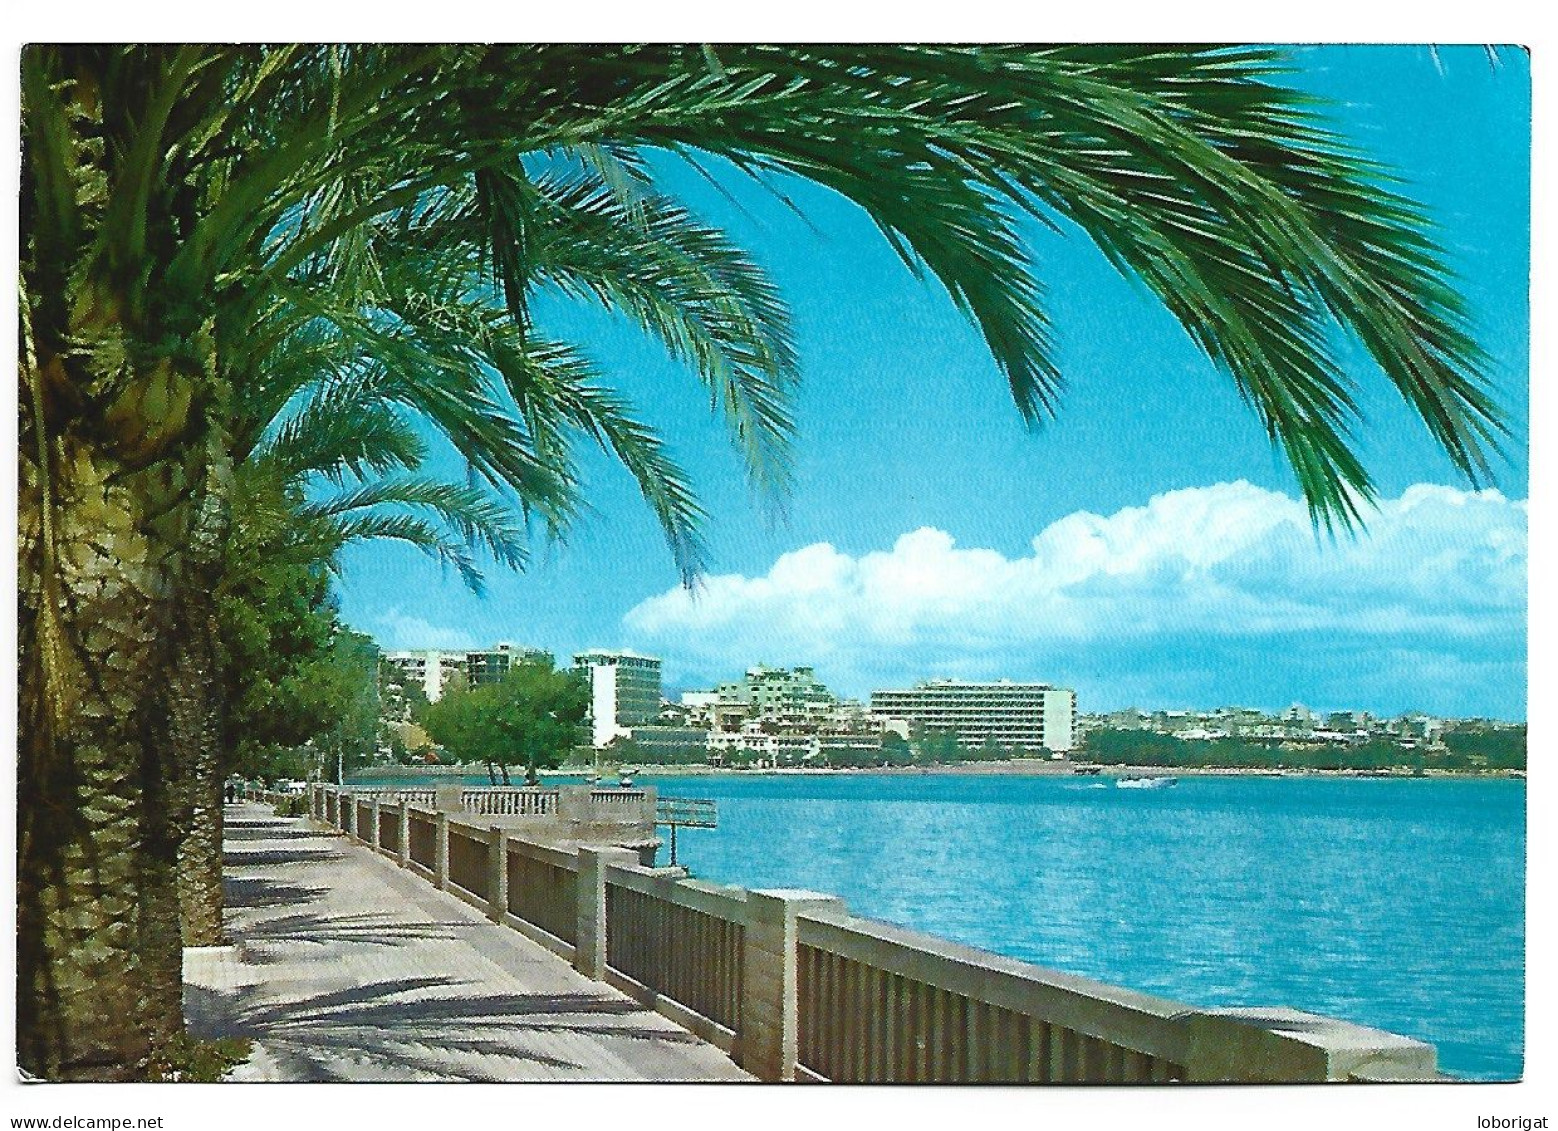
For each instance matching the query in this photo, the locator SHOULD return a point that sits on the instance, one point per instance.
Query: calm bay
(1394, 903)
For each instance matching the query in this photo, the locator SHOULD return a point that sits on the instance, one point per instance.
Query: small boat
(1139, 782)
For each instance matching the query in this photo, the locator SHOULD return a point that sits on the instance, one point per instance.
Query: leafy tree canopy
(531, 718)
(291, 671)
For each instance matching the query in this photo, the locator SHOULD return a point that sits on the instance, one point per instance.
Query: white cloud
(1230, 561)
(396, 631)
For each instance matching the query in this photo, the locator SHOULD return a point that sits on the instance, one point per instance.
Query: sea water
(1393, 903)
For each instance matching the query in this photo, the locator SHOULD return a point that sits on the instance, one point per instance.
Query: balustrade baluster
(1016, 1048)
(872, 1023)
(834, 1033)
(968, 1066)
(893, 1046)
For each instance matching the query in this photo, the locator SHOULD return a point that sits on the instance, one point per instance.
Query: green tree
(1503, 748)
(344, 686)
(991, 751)
(530, 718)
(896, 750)
(188, 211)
(940, 747)
(623, 751)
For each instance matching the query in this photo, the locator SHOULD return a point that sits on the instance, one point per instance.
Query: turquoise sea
(1394, 903)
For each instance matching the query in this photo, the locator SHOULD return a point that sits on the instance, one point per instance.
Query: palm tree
(175, 198)
(320, 405)
(277, 525)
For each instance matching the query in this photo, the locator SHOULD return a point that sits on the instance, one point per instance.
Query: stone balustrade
(797, 988)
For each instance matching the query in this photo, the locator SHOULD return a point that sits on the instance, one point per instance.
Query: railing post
(404, 839)
(589, 955)
(377, 836)
(498, 874)
(769, 1042)
(441, 849)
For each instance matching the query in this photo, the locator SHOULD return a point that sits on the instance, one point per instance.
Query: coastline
(1016, 768)
(1040, 769)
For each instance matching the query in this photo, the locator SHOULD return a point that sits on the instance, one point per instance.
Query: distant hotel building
(624, 692)
(432, 667)
(788, 697)
(1016, 716)
(491, 665)
(428, 667)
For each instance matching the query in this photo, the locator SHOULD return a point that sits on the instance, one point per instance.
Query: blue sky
(1144, 547)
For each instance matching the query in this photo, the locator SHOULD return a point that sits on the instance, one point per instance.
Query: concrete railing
(876, 1002)
(500, 802)
(674, 938)
(422, 830)
(389, 830)
(493, 800)
(543, 891)
(578, 803)
(470, 859)
(392, 794)
(795, 987)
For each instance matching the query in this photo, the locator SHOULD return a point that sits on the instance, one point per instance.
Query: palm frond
(558, 391)
(1189, 168)
(687, 285)
(336, 434)
(414, 531)
(476, 517)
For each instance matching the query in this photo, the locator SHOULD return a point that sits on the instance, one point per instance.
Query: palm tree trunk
(107, 549)
(197, 743)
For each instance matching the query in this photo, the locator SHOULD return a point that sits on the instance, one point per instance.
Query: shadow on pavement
(413, 1027)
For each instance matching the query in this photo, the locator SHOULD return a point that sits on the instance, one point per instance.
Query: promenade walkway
(343, 967)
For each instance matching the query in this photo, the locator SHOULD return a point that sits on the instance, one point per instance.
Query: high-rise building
(490, 665)
(1016, 716)
(432, 667)
(428, 667)
(624, 692)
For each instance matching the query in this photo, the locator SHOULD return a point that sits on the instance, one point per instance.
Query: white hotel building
(1017, 716)
(624, 692)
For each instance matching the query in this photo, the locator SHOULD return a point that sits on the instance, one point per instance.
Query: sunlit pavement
(343, 967)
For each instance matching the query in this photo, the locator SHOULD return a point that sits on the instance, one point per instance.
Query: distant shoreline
(1019, 768)
(1040, 769)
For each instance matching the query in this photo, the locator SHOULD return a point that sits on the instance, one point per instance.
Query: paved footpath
(344, 967)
